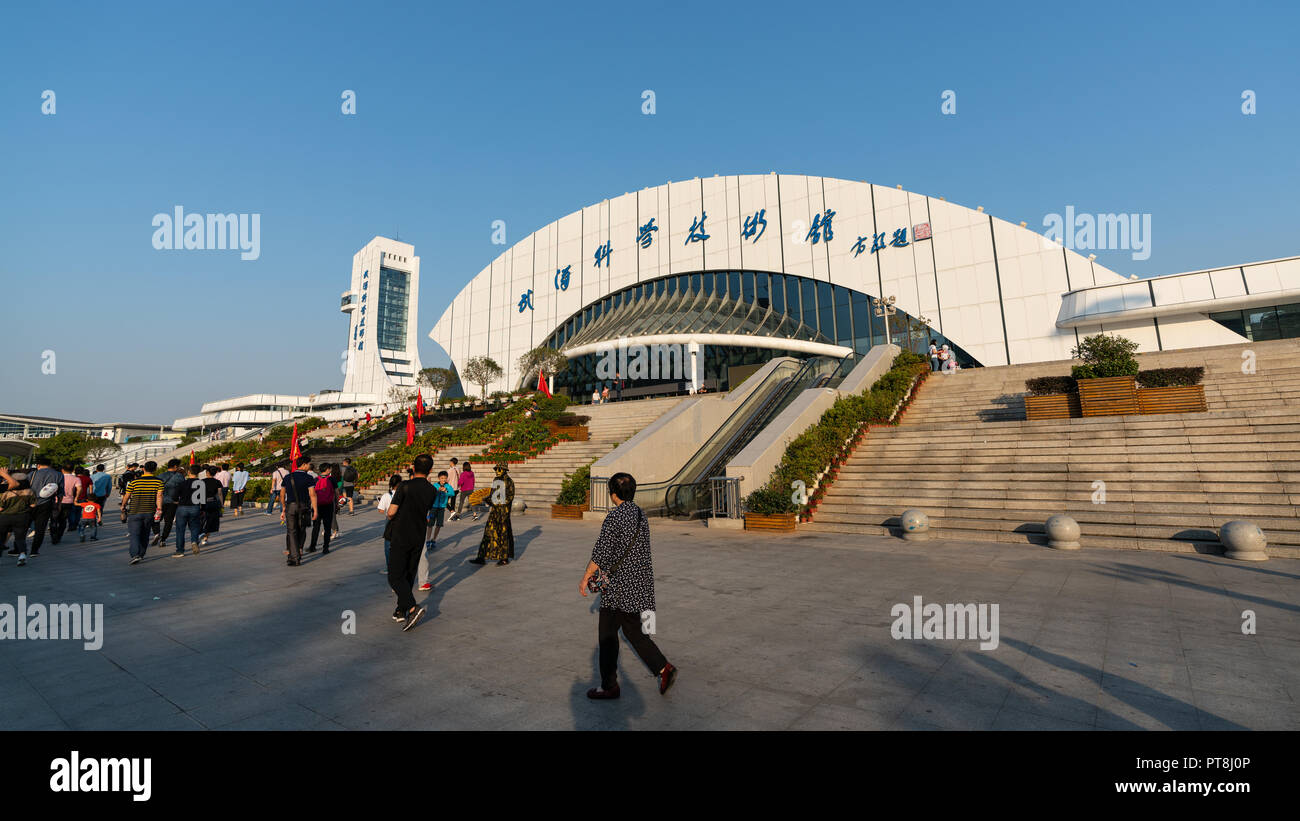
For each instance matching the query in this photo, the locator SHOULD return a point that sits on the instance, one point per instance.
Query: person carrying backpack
(325, 508)
(350, 478)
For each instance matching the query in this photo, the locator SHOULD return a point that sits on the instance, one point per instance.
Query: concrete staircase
(538, 480)
(965, 455)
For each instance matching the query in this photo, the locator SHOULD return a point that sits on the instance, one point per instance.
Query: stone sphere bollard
(915, 524)
(1062, 532)
(1243, 541)
(519, 507)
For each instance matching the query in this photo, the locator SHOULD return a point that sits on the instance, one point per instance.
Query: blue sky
(471, 113)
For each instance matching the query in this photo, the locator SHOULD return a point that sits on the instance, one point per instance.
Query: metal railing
(725, 491)
(598, 494)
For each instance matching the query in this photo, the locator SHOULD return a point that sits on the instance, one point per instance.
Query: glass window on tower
(394, 300)
(778, 293)
(1262, 324)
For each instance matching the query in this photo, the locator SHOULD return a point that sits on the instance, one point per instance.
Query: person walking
(101, 485)
(223, 476)
(350, 477)
(298, 509)
(17, 502)
(618, 387)
(68, 513)
(277, 478)
(934, 357)
(604, 395)
(595, 396)
(453, 479)
(408, 513)
(46, 486)
(142, 505)
(441, 494)
(498, 537)
(214, 503)
(464, 487)
(189, 510)
(621, 558)
(238, 481)
(324, 488)
(91, 519)
(172, 480)
(132, 472)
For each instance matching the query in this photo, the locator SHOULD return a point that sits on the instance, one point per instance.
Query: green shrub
(1044, 385)
(769, 501)
(1169, 377)
(575, 487)
(811, 452)
(1105, 355)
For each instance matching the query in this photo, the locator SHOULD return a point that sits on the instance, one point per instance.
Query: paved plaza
(769, 631)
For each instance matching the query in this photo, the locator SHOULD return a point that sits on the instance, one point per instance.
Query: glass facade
(751, 303)
(391, 311)
(1262, 324)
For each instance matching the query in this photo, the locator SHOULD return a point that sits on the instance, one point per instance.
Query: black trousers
(325, 518)
(403, 565)
(42, 517)
(58, 523)
(168, 517)
(610, 622)
(297, 517)
(15, 523)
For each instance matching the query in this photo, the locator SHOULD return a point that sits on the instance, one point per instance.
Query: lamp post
(885, 308)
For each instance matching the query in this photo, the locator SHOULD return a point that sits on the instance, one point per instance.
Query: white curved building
(740, 268)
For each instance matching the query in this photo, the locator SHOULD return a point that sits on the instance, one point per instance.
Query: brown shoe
(597, 693)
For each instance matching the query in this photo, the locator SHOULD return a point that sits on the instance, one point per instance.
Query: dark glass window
(792, 297)
(809, 289)
(778, 293)
(1261, 324)
(747, 287)
(1288, 320)
(761, 291)
(861, 323)
(733, 285)
(695, 283)
(683, 282)
(708, 285)
(843, 321)
(825, 310)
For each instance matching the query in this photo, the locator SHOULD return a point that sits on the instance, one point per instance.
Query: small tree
(1105, 355)
(64, 448)
(482, 371)
(543, 358)
(97, 450)
(436, 380)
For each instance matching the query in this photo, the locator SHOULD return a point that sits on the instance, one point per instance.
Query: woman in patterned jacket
(627, 601)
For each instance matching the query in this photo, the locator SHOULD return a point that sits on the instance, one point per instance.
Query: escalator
(687, 493)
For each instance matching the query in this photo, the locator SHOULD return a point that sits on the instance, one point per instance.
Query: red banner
(419, 404)
(294, 451)
(410, 429)
(541, 383)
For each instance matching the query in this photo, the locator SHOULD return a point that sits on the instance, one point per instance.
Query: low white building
(381, 358)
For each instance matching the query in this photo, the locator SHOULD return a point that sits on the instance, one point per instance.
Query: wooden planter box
(781, 522)
(569, 511)
(1053, 406)
(1108, 396)
(1173, 399)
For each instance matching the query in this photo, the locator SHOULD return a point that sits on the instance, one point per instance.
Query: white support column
(697, 365)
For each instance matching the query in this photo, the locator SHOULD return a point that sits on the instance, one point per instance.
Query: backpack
(349, 475)
(324, 491)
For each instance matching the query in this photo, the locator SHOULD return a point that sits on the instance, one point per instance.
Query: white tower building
(383, 302)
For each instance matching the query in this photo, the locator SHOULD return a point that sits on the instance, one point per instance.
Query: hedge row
(1154, 378)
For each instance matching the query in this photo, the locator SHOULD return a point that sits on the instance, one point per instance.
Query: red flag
(541, 383)
(294, 451)
(410, 428)
(419, 404)
(191, 457)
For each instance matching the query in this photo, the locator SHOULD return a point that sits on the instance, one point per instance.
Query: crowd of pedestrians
(191, 500)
